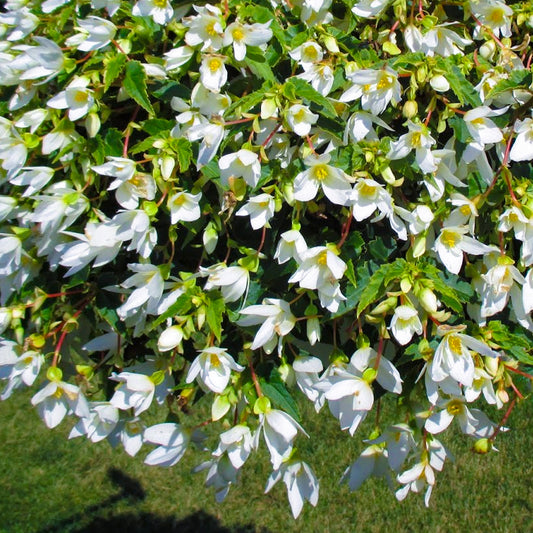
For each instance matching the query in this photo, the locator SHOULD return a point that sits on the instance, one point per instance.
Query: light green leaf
(135, 85)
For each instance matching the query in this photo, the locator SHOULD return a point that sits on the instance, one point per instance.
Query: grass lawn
(51, 485)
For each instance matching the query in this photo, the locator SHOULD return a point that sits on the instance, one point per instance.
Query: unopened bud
(487, 49)
(262, 405)
(410, 109)
(439, 83)
(385, 306)
(369, 375)
(491, 365)
(54, 374)
(170, 338)
(167, 164)
(92, 124)
(428, 300)
(287, 375)
(210, 238)
(482, 446)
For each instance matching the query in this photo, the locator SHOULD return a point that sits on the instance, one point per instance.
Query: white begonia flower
(482, 129)
(275, 318)
(213, 368)
(522, 149)
(367, 196)
(102, 420)
(173, 442)
(482, 384)
(320, 269)
(471, 421)
(419, 139)
(334, 182)
(129, 433)
(150, 285)
(7, 209)
(137, 389)
(211, 136)
(23, 370)
(306, 369)
(96, 33)
(307, 53)
(405, 323)
(369, 8)
(464, 213)
(279, 430)
(221, 474)
(213, 73)
(56, 398)
(77, 98)
(320, 77)
(291, 245)
(160, 10)
(453, 357)
(371, 462)
(184, 207)
(387, 375)
(445, 173)
(43, 61)
(233, 281)
(242, 164)
(237, 443)
(35, 178)
(242, 35)
(177, 57)
(527, 292)
(19, 23)
(170, 338)
(498, 285)
(422, 473)
(300, 119)
(495, 15)
(206, 28)
(399, 442)
(11, 257)
(375, 88)
(129, 184)
(32, 119)
(452, 243)
(301, 483)
(443, 41)
(259, 208)
(359, 126)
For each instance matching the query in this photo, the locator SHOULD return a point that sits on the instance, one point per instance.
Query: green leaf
(303, 90)
(374, 288)
(113, 142)
(183, 151)
(462, 88)
(179, 307)
(135, 85)
(261, 69)
(214, 314)
(154, 126)
(278, 394)
(517, 78)
(113, 69)
(247, 102)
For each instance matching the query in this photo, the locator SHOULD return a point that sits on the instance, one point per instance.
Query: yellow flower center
(455, 407)
(214, 64)
(238, 34)
(80, 97)
(58, 393)
(465, 210)
(180, 200)
(160, 3)
(311, 53)
(478, 121)
(496, 15)
(323, 258)
(415, 139)
(321, 172)
(367, 190)
(385, 82)
(210, 28)
(214, 360)
(455, 344)
(449, 238)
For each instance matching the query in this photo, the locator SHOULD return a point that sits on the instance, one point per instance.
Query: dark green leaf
(278, 394)
(154, 126)
(183, 151)
(303, 90)
(179, 307)
(462, 88)
(113, 69)
(214, 313)
(135, 85)
(113, 142)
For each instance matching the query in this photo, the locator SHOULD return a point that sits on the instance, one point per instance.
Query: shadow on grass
(132, 492)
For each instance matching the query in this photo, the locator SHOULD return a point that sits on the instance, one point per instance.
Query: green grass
(49, 484)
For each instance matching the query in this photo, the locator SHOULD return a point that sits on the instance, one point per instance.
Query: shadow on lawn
(131, 490)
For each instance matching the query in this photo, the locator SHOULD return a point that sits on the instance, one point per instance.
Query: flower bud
(439, 83)
(428, 300)
(313, 331)
(287, 375)
(482, 446)
(410, 109)
(210, 238)
(385, 306)
(167, 164)
(92, 124)
(54, 374)
(220, 407)
(268, 108)
(170, 338)
(491, 365)
(262, 405)
(487, 49)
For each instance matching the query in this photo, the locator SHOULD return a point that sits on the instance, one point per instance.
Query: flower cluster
(243, 202)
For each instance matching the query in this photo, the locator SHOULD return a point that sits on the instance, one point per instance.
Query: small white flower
(301, 483)
(259, 208)
(77, 98)
(333, 181)
(242, 164)
(206, 28)
(522, 149)
(213, 73)
(241, 35)
(300, 119)
(371, 462)
(160, 10)
(291, 245)
(405, 323)
(237, 443)
(233, 281)
(172, 440)
(184, 207)
(213, 369)
(96, 33)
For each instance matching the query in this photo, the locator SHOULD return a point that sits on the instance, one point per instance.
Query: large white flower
(172, 440)
(259, 208)
(77, 98)
(213, 368)
(184, 206)
(241, 35)
(213, 73)
(300, 119)
(522, 149)
(96, 33)
(405, 323)
(242, 164)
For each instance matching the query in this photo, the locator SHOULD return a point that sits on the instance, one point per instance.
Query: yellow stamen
(321, 172)
(455, 407)
(455, 344)
(450, 238)
(214, 64)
